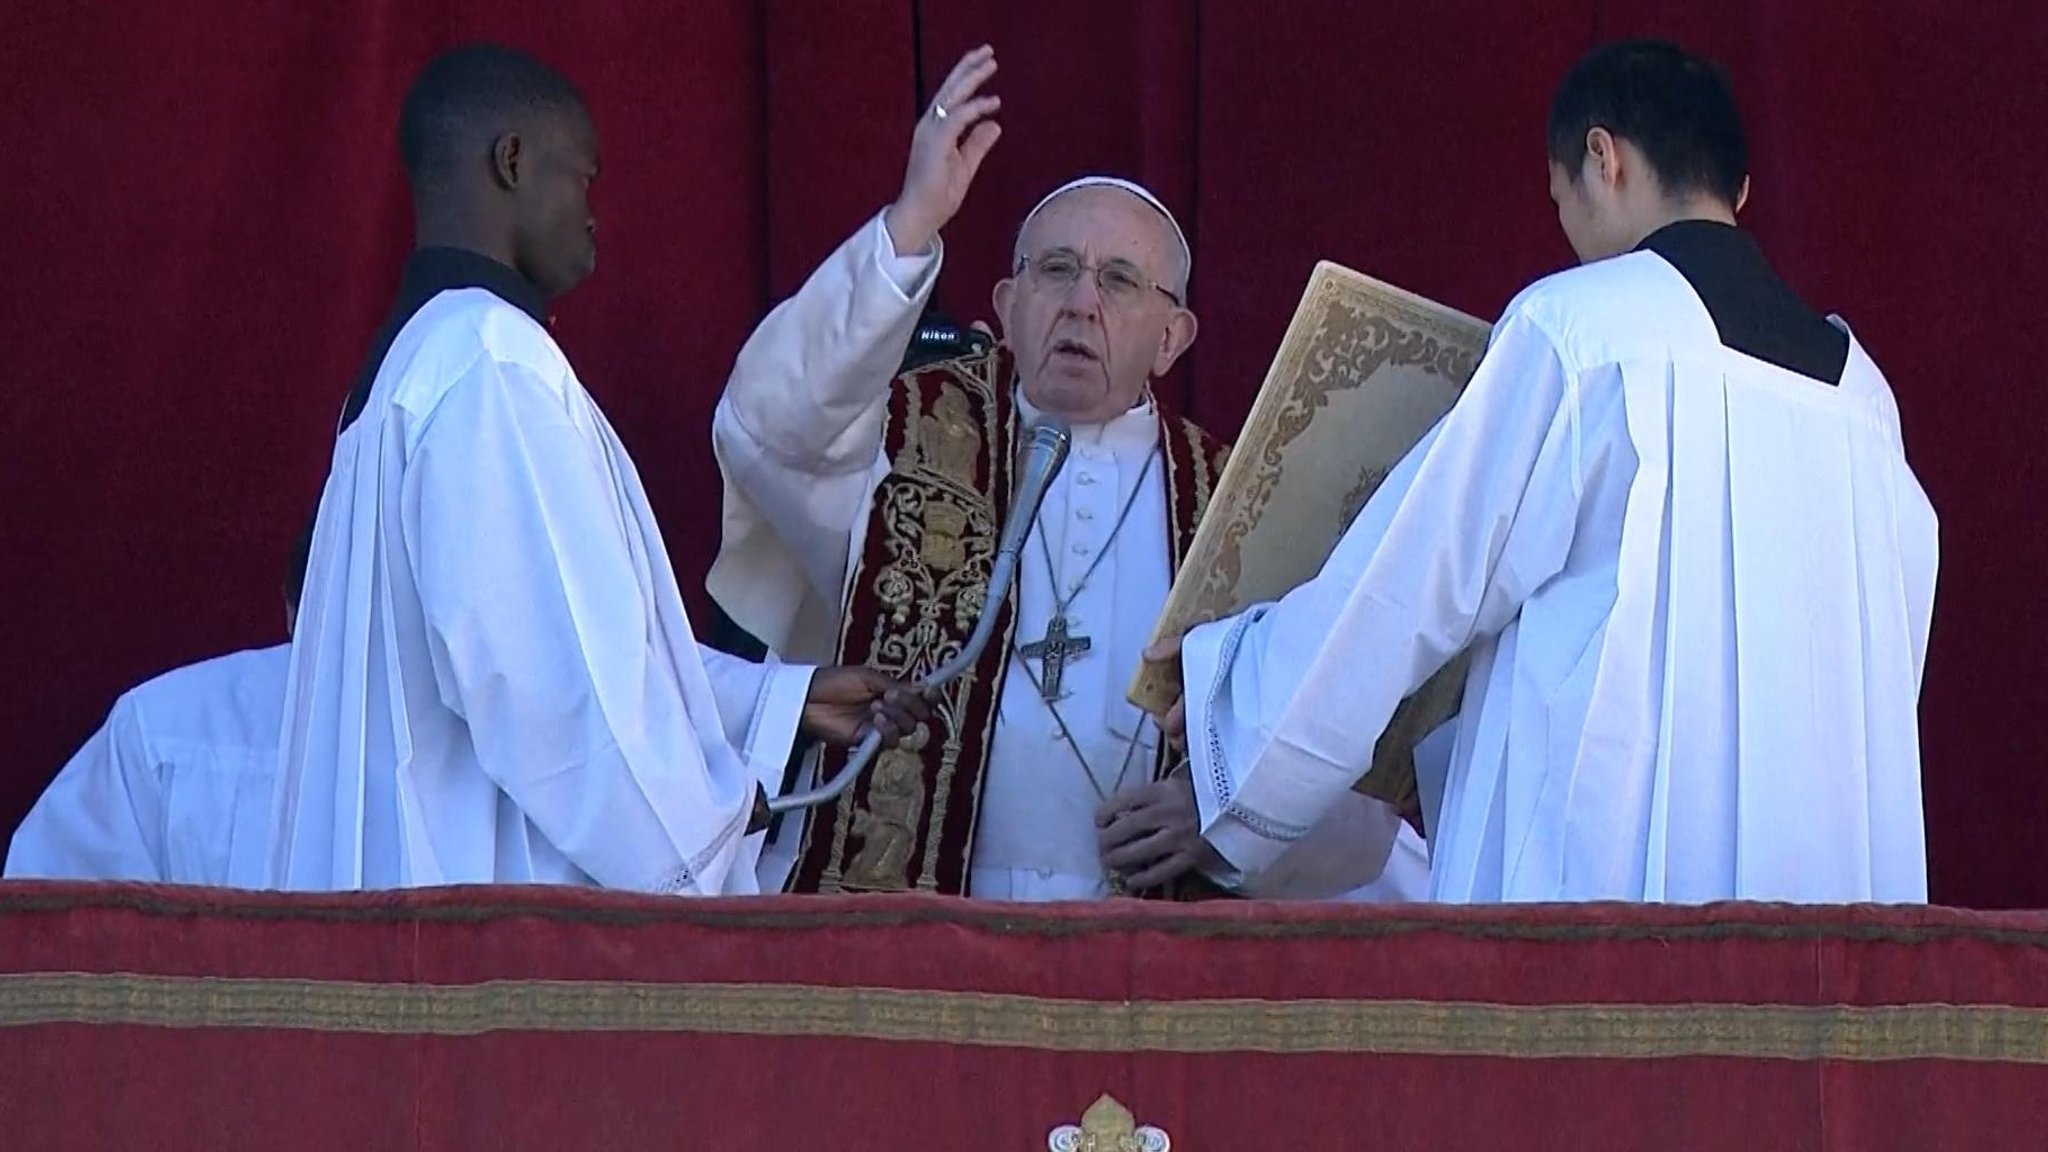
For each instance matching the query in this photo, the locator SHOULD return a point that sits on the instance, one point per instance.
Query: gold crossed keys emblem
(1108, 1126)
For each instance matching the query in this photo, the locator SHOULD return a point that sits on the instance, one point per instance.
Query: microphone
(1045, 453)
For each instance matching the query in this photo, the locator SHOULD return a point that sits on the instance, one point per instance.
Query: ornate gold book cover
(1364, 371)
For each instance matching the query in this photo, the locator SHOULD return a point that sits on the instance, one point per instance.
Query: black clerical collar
(1756, 313)
(432, 271)
(428, 273)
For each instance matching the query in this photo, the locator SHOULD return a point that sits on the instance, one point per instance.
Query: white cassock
(179, 774)
(493, 678)
(1697, 590)
(799, 439)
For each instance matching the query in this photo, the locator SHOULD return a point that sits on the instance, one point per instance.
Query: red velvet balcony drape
(555, 1020)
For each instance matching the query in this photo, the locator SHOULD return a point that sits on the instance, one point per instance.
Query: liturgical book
(1364, 371)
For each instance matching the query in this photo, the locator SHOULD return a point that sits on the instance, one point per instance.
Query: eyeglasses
(1121, 283)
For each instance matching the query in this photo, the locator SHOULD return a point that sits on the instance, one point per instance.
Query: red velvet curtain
(205, 217)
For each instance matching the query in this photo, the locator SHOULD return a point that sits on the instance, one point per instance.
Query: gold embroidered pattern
(948, 445)
(1997, 1034)
(970, 730)
(945, 524)
(1108, 1126)
(931, 546)
(1205, 468)
(887, 824)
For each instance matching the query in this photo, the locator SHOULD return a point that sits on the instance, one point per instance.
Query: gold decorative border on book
(1398, 328)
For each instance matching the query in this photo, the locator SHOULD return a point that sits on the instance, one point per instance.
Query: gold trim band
(1348, 1027)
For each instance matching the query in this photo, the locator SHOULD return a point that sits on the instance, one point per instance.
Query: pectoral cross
(1054, 651)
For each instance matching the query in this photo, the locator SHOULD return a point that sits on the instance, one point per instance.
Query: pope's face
(1092, 316)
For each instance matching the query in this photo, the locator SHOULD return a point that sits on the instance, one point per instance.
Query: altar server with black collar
(1672, 519)
(494, 679)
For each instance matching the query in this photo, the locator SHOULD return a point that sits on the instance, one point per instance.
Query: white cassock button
(1080, 549)
(1085, 514)
(1085, 478)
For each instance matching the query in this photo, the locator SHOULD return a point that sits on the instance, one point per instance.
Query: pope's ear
(1002, 296)
(1174, 342)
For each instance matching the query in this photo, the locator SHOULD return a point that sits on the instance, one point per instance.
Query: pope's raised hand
(951, 140)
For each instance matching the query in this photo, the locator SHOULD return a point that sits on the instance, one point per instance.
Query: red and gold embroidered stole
(920, 587)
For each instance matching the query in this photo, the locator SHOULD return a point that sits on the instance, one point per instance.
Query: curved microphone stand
(1046, 454)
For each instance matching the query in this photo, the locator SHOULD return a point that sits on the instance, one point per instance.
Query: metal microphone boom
(1044, 455)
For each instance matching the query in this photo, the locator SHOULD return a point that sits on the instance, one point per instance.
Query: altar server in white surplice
(180, 773)
(1673, 520)
(494, 679)
(856, 502)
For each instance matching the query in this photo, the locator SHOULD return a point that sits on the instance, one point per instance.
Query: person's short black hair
(464, 98)
(1673, 105)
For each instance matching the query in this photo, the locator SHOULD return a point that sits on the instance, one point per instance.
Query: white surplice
(179, 774)
(1697, 589)
(493, 677)
(799, 440)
